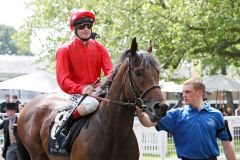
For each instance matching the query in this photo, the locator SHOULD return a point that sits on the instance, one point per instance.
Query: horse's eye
(139, 73)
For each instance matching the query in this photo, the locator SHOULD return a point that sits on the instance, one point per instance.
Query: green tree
(181, 30)
(7, 45)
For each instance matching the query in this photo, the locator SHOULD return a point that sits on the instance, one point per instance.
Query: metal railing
(236, 112)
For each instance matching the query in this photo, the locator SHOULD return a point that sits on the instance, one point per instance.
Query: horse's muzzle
(160, 110)
(156, 111)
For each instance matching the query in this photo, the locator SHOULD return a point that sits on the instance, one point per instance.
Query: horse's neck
(114, 114)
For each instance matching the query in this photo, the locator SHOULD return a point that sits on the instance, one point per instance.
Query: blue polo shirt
(194, 132)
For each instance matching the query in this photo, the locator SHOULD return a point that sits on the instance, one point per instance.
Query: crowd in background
(227, 111)
(8, 109)
(11, 99)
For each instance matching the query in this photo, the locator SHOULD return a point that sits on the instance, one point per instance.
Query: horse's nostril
(166, 107)
(157, 106)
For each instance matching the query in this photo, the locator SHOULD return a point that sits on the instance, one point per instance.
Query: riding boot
(68, 123)
(66, 126)
(72, 118)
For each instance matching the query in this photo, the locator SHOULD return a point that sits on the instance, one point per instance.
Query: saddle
(61, 144)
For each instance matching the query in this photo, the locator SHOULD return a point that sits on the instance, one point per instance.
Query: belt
(212, 158)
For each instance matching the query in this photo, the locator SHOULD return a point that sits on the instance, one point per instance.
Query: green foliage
(7, 45)
(22, 44)
(181, 30)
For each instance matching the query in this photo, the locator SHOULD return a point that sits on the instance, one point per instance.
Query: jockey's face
(84, 30)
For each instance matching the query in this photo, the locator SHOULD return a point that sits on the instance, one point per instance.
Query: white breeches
(88, 105)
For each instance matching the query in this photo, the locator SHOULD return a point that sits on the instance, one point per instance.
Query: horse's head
(142, 84)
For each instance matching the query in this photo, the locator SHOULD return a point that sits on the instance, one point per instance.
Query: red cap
(78, 14)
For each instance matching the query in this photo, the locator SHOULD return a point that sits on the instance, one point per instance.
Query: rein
(106, 100)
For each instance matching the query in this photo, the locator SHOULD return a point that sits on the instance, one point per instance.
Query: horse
(110, 132)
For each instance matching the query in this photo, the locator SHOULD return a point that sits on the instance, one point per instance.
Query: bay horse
(110, 134)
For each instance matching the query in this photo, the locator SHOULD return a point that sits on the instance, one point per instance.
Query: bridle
(137, 95)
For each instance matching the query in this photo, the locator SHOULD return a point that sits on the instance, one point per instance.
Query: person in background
(4, 104)
(222, 110)
(226, 111)
(15, 100)
(195, 127)
(229, 111)
(8, 124)
(79, 64)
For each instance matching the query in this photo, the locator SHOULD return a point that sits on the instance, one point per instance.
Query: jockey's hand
(97, 85)
(88, 90)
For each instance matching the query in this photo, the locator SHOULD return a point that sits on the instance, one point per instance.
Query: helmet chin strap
(83, 39)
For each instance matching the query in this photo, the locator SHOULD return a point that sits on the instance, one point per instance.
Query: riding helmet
(81, 14)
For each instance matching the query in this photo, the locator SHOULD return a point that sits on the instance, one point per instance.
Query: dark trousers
(12, 152)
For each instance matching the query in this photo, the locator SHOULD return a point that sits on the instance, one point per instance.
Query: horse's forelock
(145, 58)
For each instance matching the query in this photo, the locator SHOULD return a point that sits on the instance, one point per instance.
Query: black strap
(227, 129)
(220, 130)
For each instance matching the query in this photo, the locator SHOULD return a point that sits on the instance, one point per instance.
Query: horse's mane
(142, 57)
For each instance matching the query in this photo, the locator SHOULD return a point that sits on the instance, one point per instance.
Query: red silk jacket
(78, 65)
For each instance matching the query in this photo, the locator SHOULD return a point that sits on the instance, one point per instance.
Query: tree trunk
(228, 94)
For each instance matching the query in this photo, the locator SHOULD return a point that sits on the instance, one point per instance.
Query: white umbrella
(221, 83)
(170, 87)
(39, 82)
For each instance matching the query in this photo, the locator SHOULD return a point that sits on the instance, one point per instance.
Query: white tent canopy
(39, 82)
(170, 86)
(221, 83)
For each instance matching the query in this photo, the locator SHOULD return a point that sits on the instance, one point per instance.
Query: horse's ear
(149, 49)
(134, 47)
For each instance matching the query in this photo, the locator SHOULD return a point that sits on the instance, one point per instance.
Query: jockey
(79, 63)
